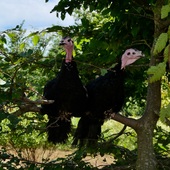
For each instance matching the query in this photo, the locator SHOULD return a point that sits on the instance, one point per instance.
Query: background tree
(24, 69)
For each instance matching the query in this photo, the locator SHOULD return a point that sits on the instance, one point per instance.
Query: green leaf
(2, 82)
(160, 43)
(103, 71)
(35, 39)
(11, 35)
(162, 147)
(113, 65)
(32, 34)
(165, 113)
(70, 11)
(166, 53)
(169, 32)
(63, 15)
(3, 39)
(106, 11)
(165, 11)
(3, 115)
(135, 31)
(21, 47)
(156, 72)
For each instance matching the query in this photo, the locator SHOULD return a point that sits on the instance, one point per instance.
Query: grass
(47, 152)
(110, 129)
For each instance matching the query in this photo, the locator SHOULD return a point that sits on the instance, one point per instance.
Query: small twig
(91, 65)
(37, 102)
(119, 134)
(139, 42)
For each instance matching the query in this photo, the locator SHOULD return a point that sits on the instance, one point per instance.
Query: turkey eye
(69, 40)
(128, 53)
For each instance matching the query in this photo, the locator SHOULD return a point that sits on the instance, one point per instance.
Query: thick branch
(31, 106)
(26, 108)
(124, 120)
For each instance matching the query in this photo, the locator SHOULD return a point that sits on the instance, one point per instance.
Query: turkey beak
(62, 42)
(141, 54)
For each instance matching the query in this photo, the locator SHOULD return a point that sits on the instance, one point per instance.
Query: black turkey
(104, 93)
(69, 97)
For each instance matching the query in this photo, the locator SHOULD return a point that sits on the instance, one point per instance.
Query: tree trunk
(146, 125)
(146, 156)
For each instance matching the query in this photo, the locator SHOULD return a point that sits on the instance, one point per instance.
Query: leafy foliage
(160, 43)
(156, 72)
(165, 113)
(166, 53)
(23, 60)
(165, 11)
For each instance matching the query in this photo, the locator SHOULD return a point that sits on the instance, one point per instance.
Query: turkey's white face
(67, 43)
(130, 56)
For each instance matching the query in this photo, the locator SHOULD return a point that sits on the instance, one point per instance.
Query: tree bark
(146, 157)
(145, 129)
(146, 125)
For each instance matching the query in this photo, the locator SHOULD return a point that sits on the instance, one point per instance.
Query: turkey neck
(69, 54)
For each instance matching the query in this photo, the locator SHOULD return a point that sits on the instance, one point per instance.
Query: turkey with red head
(69, 97)
(104, 93)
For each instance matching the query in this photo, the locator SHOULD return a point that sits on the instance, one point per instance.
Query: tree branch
(26, 108)
(31, 106)
(124, 120)
(37, 102)
(118, 134)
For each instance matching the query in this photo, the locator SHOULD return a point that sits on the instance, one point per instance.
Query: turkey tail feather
(58, 130)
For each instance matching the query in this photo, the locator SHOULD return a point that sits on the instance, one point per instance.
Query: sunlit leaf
(35, 39)
(32, 34)
(165, 11)
(166, 53)
(2, 82)
(165, 113)
(11, 35)
(160, 43)
(156, 72)
(21, 47)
